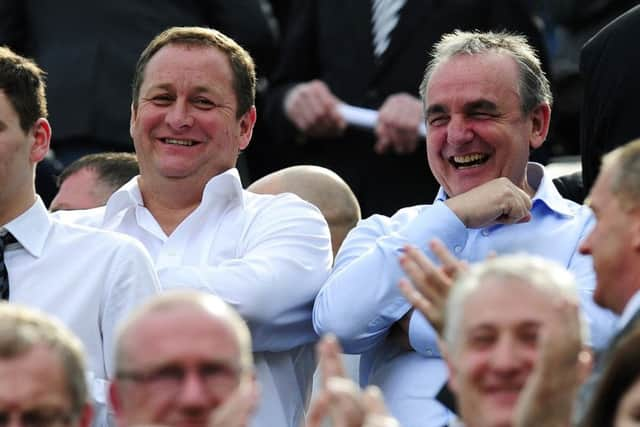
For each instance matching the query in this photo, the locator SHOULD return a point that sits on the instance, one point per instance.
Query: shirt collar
(546, 191)
(225, 185)
(31, 228)
(630, 309)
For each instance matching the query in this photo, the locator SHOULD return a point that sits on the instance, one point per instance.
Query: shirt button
(485, 232)
(429, 352)
(458, 249)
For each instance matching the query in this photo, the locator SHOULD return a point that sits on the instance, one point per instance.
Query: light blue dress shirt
(361, 300)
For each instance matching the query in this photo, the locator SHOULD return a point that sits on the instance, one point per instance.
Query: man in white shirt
(192, 113)
(87, 278)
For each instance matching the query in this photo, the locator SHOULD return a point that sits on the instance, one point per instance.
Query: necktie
(384, 19)
(5, 240)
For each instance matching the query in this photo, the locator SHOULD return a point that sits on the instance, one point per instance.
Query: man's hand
(429, 285)
(498, 201)
(238, 409)
(341, 399)
(398, 121)
(313, 109)
(563, 363)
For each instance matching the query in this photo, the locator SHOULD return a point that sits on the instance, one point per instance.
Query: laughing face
(186, 124)
(497, 349)
(477, 131)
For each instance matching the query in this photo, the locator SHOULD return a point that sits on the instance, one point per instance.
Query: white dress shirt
(89, 279)
(266, 255)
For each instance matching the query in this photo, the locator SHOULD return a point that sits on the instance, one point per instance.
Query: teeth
(468, 158)
(185, 142)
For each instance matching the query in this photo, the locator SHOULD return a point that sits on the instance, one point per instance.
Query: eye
(438, 120)
(481, 115)
(162, 99)
(203, 103)
(481, 340)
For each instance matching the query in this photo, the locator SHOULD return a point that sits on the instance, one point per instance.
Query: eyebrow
(435, 109)
(480, 105)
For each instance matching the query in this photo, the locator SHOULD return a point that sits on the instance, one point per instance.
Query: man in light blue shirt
(487, 104)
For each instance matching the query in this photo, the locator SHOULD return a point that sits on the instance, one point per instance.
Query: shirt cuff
(422, 337)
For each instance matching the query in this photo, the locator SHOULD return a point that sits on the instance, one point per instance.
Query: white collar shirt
(266, 255)
(89, 279)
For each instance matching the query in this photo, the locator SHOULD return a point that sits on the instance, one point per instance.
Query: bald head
(178, 358)
(320, 187)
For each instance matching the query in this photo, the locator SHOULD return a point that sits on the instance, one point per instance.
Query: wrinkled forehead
(491, 70)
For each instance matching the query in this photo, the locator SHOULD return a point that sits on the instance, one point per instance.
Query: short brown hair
(242, 65)
(22, 329)
(112, 168)
(23, 83)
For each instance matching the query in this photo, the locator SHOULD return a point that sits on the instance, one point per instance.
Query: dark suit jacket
(89, 50)
(331, 40)
(610, 110)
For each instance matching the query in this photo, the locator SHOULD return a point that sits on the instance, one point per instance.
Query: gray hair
(624, 164)
(541, 274)
(22, 329)
(534, 88)
(210, 304)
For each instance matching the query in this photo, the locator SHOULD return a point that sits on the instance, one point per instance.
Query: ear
(540, 118)
(86, 416)
(114, 398)
(247, 121)
(585, 364)
(446, 355)
(132, 120)
(40, 133)
(634, 228)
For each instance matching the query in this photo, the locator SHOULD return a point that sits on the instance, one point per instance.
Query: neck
(12, 208)
(170, 201)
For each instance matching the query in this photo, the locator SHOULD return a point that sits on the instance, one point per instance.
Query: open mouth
(468, 160)
(182, 142)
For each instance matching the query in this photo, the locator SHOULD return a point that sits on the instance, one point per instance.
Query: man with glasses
(42, 381)
(184, 359)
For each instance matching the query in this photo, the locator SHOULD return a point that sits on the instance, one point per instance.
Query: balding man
(42, 381)
(321, 187)
(179, 358)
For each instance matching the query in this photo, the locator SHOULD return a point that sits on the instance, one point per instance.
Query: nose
(458, 131)
(504, 357)
(193, 394)
(585, 245)
(179, 116)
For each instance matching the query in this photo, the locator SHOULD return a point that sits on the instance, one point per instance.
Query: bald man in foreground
(184, 359)
(321, 187)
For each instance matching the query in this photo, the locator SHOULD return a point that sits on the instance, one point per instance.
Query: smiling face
(497, 350)
(476, 130)
(185, 124)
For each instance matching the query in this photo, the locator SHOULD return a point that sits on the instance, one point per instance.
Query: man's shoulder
(395, 221)
(275, 205)
(86, 217)
(81, 235)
